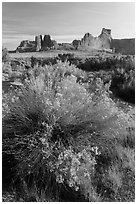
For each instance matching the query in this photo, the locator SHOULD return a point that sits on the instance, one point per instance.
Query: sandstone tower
(38, 40)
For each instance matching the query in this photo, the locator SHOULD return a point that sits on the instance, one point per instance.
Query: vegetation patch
(64, 138)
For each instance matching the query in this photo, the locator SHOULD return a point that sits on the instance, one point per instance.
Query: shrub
(5, 55)
(123, 84)
(119, 69)
(64, 138)
(6, 71)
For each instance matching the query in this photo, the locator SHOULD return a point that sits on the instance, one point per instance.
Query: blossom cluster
(76, 169)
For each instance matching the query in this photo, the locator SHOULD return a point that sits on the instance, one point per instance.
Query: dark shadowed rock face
(75, 44)
(124, 46)
(47, 42)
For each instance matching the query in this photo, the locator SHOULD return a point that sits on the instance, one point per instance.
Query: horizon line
(58, 38)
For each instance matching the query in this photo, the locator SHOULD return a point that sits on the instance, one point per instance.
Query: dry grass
(55, 53)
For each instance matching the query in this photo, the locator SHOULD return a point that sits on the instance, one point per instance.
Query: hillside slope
(124, 46)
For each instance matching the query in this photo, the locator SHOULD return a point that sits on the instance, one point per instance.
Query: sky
(65, 21)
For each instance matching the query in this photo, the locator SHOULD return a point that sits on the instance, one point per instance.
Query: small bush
(5, 55)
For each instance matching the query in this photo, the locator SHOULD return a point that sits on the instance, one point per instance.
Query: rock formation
(38, 42)
(105, 38)
(38, 45)
(47, 42)
(75, 44)
(55, 45)
(26, 46)
(89, 42)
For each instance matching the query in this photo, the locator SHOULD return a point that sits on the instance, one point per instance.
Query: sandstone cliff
(89, 42)
(38, 45)
(26, 46)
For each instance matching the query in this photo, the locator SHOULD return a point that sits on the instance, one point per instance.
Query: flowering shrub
(77, 169)
(65, 135)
